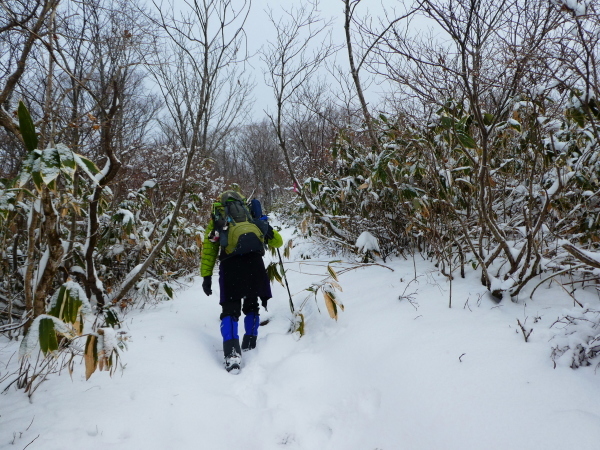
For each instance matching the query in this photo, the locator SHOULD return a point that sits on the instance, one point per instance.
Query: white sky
(260, 30)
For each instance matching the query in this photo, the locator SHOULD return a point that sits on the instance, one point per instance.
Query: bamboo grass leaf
(332, 272)
(27, 128)
(91, 355)
(48, 341)
(330, 304)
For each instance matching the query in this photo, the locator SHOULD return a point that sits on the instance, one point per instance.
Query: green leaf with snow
(87, 166)
(576, 115)
(67, 161)
(314, 183)
(49, 165)
(447, 122)
(126, 218)
(69, 303)
(8, 200)
(168, 290)
(111, 318)
(36, 177)
(31, 169)
(466, 140)
(408, 192)
(48, 341)
(45, 166)
(515, 125)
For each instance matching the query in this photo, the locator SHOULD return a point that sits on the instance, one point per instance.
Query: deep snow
(389, 374)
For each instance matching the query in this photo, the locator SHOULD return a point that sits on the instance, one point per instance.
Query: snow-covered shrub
(68, 242)
(56, 334)
(367, 244)
(577, 339)
(493, 161)
(131, 232)
(366, 190)
(425, 187)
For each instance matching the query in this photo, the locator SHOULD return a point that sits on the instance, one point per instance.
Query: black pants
(242, 281)
(234, 306)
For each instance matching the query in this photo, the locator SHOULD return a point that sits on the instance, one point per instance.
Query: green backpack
(238, 232)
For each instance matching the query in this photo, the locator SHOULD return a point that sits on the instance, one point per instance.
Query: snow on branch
(587, 257)
(367, 242)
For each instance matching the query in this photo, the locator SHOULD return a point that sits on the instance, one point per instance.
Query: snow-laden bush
(577, 339)
(53, 339)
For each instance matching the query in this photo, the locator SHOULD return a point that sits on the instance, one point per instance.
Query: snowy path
(388, 375)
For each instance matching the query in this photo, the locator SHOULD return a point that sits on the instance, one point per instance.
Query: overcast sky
(260, 30)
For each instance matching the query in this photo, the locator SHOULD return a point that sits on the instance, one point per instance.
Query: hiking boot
(233, 356)
(248, 343)
(251, 324)
(232, 364)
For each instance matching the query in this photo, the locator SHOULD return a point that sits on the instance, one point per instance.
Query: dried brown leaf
(330, 304)
(91, 356)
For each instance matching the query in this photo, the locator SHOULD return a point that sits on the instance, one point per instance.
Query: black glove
(206, 285)
(269, 234)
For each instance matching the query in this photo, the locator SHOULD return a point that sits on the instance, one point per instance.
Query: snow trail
(389, 374)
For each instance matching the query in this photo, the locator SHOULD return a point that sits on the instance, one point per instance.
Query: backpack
(260, 220)
(256, 210)
(235, 229)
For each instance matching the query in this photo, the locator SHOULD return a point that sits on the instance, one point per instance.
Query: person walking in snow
(238, 240)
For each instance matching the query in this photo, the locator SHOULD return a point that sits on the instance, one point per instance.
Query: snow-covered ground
(389, 374)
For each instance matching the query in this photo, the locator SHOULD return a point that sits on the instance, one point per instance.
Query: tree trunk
(55, 251)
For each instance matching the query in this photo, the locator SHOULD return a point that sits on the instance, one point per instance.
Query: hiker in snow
(238, 237)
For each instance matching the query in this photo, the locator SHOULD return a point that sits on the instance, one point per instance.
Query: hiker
(238, 237)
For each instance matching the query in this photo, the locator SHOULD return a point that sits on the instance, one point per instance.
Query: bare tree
(257, 146)
(201, 87)
(291, 62)
(22, 24)
(470, 81)
(100, 58)
(369, 39)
